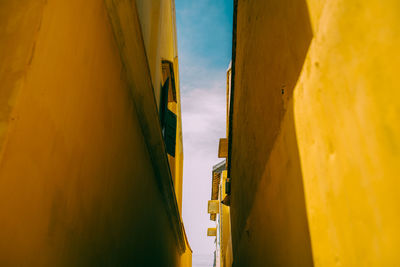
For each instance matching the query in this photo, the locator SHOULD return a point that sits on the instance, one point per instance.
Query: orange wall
(76, 181)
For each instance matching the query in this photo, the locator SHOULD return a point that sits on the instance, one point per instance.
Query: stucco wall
(316, 145)
(157, 20)
(269, 220)
(347, 114)
(76, 181)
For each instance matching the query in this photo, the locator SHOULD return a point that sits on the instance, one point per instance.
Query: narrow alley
(288, 112)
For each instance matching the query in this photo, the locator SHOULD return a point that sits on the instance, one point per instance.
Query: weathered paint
(347, 114)
(316, 138)
(75, 170)
(18, 31)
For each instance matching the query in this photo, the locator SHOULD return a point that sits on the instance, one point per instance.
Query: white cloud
(203, 119)
(204, 44)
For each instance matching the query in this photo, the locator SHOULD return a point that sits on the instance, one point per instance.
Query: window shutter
(164, 103)
(170, 132)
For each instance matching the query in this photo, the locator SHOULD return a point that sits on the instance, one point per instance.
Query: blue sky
(204, 46)
(204, 37)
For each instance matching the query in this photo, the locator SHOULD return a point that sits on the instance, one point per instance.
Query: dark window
(167, 117)
(164, 104)
(170, 132)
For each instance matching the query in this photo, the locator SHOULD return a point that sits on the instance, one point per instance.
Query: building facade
(219, 204)
(90, 134)
(314, 138)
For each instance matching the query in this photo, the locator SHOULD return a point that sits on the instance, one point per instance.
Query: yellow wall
(347, 114)
(225, 226)
(168, 51)
(186, 257)
(150, 14)
(77, 186)
(269, 220)
(316, 144)
(157, 19)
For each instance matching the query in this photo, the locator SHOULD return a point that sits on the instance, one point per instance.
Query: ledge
(125, 23)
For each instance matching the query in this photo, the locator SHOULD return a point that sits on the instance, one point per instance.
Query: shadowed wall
(317, 110)
(77, 186)
(269, 220)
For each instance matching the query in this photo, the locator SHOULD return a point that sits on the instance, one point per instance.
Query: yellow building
(90, 134)
(218, 206)
(314, 133)
(220, 213)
